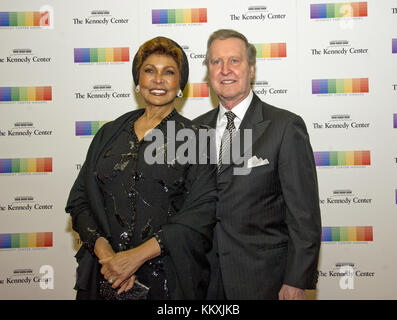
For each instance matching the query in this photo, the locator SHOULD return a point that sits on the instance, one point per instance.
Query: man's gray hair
(224, 34)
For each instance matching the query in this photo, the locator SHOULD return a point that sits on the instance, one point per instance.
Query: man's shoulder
(205, 118)
(272, 112)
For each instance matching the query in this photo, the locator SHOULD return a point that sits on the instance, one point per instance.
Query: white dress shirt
(239, 110)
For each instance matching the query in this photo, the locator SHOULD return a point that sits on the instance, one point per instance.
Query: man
(268, 234)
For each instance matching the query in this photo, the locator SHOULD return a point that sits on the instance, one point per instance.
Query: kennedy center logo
(28, 19)
(258, 13)
(26, 204)
(25, 129)
(339, 48)
(339, 10)
(24, 56)
(26, 240)
(347, 234)
(341, 121)
(196, 90)
(179, 16)
(25, 165)
(271, 50)
(101, 55)
(347, 274)
(342, 158)
(340, 86)
(25, 94)
(193, 54)
(102, 92)
(100, 17)
(88, 128)
(345, 197)
(265, 88)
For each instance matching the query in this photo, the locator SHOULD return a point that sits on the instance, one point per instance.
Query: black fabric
(178, 199)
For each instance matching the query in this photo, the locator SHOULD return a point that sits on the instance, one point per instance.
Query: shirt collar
(239, 110)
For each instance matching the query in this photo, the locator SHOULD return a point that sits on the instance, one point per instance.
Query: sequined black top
(140, 200)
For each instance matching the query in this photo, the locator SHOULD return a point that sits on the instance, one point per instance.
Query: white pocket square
(256, 162)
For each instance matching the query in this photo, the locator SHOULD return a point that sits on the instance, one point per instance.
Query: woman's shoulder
(123, 119)
(109, 129)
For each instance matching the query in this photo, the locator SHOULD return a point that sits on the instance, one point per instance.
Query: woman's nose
(158, 78)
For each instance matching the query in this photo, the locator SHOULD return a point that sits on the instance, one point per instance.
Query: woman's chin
(160, 101)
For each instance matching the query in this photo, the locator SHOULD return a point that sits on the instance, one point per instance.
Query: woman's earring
(137, 88)
(180, 93)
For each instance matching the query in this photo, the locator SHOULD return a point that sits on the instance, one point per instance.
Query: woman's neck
(154, 113)
(150, 119)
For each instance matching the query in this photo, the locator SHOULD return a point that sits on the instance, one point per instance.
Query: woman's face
(159, 79)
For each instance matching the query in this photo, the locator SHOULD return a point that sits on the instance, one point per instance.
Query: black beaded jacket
(188, 210)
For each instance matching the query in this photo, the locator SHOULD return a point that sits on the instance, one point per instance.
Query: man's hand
(291, 293)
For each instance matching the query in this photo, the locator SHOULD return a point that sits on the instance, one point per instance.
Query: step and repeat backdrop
(65, 70)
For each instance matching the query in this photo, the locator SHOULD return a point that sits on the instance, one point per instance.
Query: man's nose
(225, 69)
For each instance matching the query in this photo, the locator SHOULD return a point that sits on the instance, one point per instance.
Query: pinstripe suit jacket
(269, 225)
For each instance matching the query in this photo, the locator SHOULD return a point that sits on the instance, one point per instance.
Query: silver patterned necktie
(226, 138)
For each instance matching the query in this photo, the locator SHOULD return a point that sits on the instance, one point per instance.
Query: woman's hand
(123, 265)
(103, 249)
(120, 267)
(127, 285)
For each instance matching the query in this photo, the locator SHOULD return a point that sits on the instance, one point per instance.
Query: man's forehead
(228, 47)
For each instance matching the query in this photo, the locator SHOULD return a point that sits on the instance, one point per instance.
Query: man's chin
(231, 100)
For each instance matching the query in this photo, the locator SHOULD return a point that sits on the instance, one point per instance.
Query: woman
(145, 227)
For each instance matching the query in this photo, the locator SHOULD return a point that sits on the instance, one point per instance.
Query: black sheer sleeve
(82, 220)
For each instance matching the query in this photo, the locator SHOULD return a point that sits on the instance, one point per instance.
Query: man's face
(229, 72)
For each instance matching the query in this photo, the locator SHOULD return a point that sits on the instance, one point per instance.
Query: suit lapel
(254, 119)
(211, 118)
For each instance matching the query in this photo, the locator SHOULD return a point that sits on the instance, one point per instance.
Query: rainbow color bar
(88, 128)
(328, 86)
(83, 55)
(338, 10)
(347, 234)
(271, 50)
(25, 93)
(196, 90)
(25, 240)
(25, 19)
(395, 121)
(394, 46)
(342, 158)
(167, 16)
(26, 165)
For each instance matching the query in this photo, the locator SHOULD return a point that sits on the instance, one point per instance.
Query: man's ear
(252, 72)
